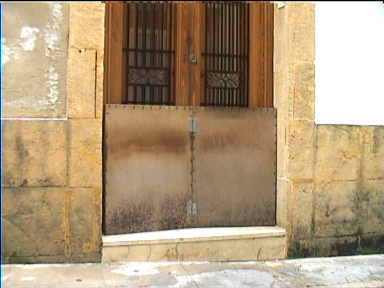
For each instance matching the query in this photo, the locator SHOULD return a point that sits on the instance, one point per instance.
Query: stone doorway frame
(294, 44)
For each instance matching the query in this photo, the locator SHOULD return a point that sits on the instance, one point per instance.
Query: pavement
(337, 272)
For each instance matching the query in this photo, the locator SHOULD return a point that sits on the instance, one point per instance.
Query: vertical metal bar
(152, 47)
(166, 44)
(209, 36)
(244, 53)
(241, 102)
(126, 51)
(228, 59)
(144, 53)
(212, 50)
(239, 59)
(161, 46)
(236, 49)
(214, 58)
(247, 58)
(221, 49)
(233, 31)
(218, 11)
(205, 7)
(207, 58)
(136, 46)
(208, 43)
(169, 54)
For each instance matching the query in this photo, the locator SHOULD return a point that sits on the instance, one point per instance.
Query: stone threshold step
(198, 244)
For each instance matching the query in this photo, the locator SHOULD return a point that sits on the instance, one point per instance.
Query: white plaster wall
(350, 63)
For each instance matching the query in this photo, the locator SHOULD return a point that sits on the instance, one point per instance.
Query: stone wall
(52, 176)
(330, 177)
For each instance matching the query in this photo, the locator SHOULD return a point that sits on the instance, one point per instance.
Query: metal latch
(192, 125)
(191, 208)
(193, 58)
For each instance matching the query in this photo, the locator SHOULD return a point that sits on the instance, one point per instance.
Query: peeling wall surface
(34, 45)
(330, 177)
(52, 167)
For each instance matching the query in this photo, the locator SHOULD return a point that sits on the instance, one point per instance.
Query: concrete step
(198, 244)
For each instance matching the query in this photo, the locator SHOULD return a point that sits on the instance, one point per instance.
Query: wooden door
(189, 119)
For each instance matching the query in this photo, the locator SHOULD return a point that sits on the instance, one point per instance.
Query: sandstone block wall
(330, 177)
(52, 180)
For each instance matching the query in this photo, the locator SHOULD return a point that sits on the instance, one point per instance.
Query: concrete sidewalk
(340, 272)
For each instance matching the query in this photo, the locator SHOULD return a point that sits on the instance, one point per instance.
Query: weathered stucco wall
(330, 177)
(52, 168)
(34, 43)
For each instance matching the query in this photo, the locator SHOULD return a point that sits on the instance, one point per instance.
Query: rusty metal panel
(148, 168)
(234, 167)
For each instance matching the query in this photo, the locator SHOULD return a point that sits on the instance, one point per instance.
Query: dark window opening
(149, 53)
(226, 54)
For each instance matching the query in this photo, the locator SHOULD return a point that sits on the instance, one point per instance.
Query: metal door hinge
(191, 208)
(192, 125)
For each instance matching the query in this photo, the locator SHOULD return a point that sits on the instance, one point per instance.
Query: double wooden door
(189, 118)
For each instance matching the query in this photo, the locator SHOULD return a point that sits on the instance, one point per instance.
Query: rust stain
(228, 140)
(172, 142)
(141, 216)
(173, 209)
(135, 217)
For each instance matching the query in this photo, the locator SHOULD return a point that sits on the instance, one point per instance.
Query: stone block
(283, 100)
(301, 149)
(35, 153)
(81, 83)
(99, 84)
(85, 161)
(373, 163)
(283, 191)
(340, 208)
(304, 91)
(374, 222)
(87, 25)
(302, 210)
(206, 244)
(282, 149)
(338, 153)
(33, 221)
(301, 38)
(85, 221)
(234, 250)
